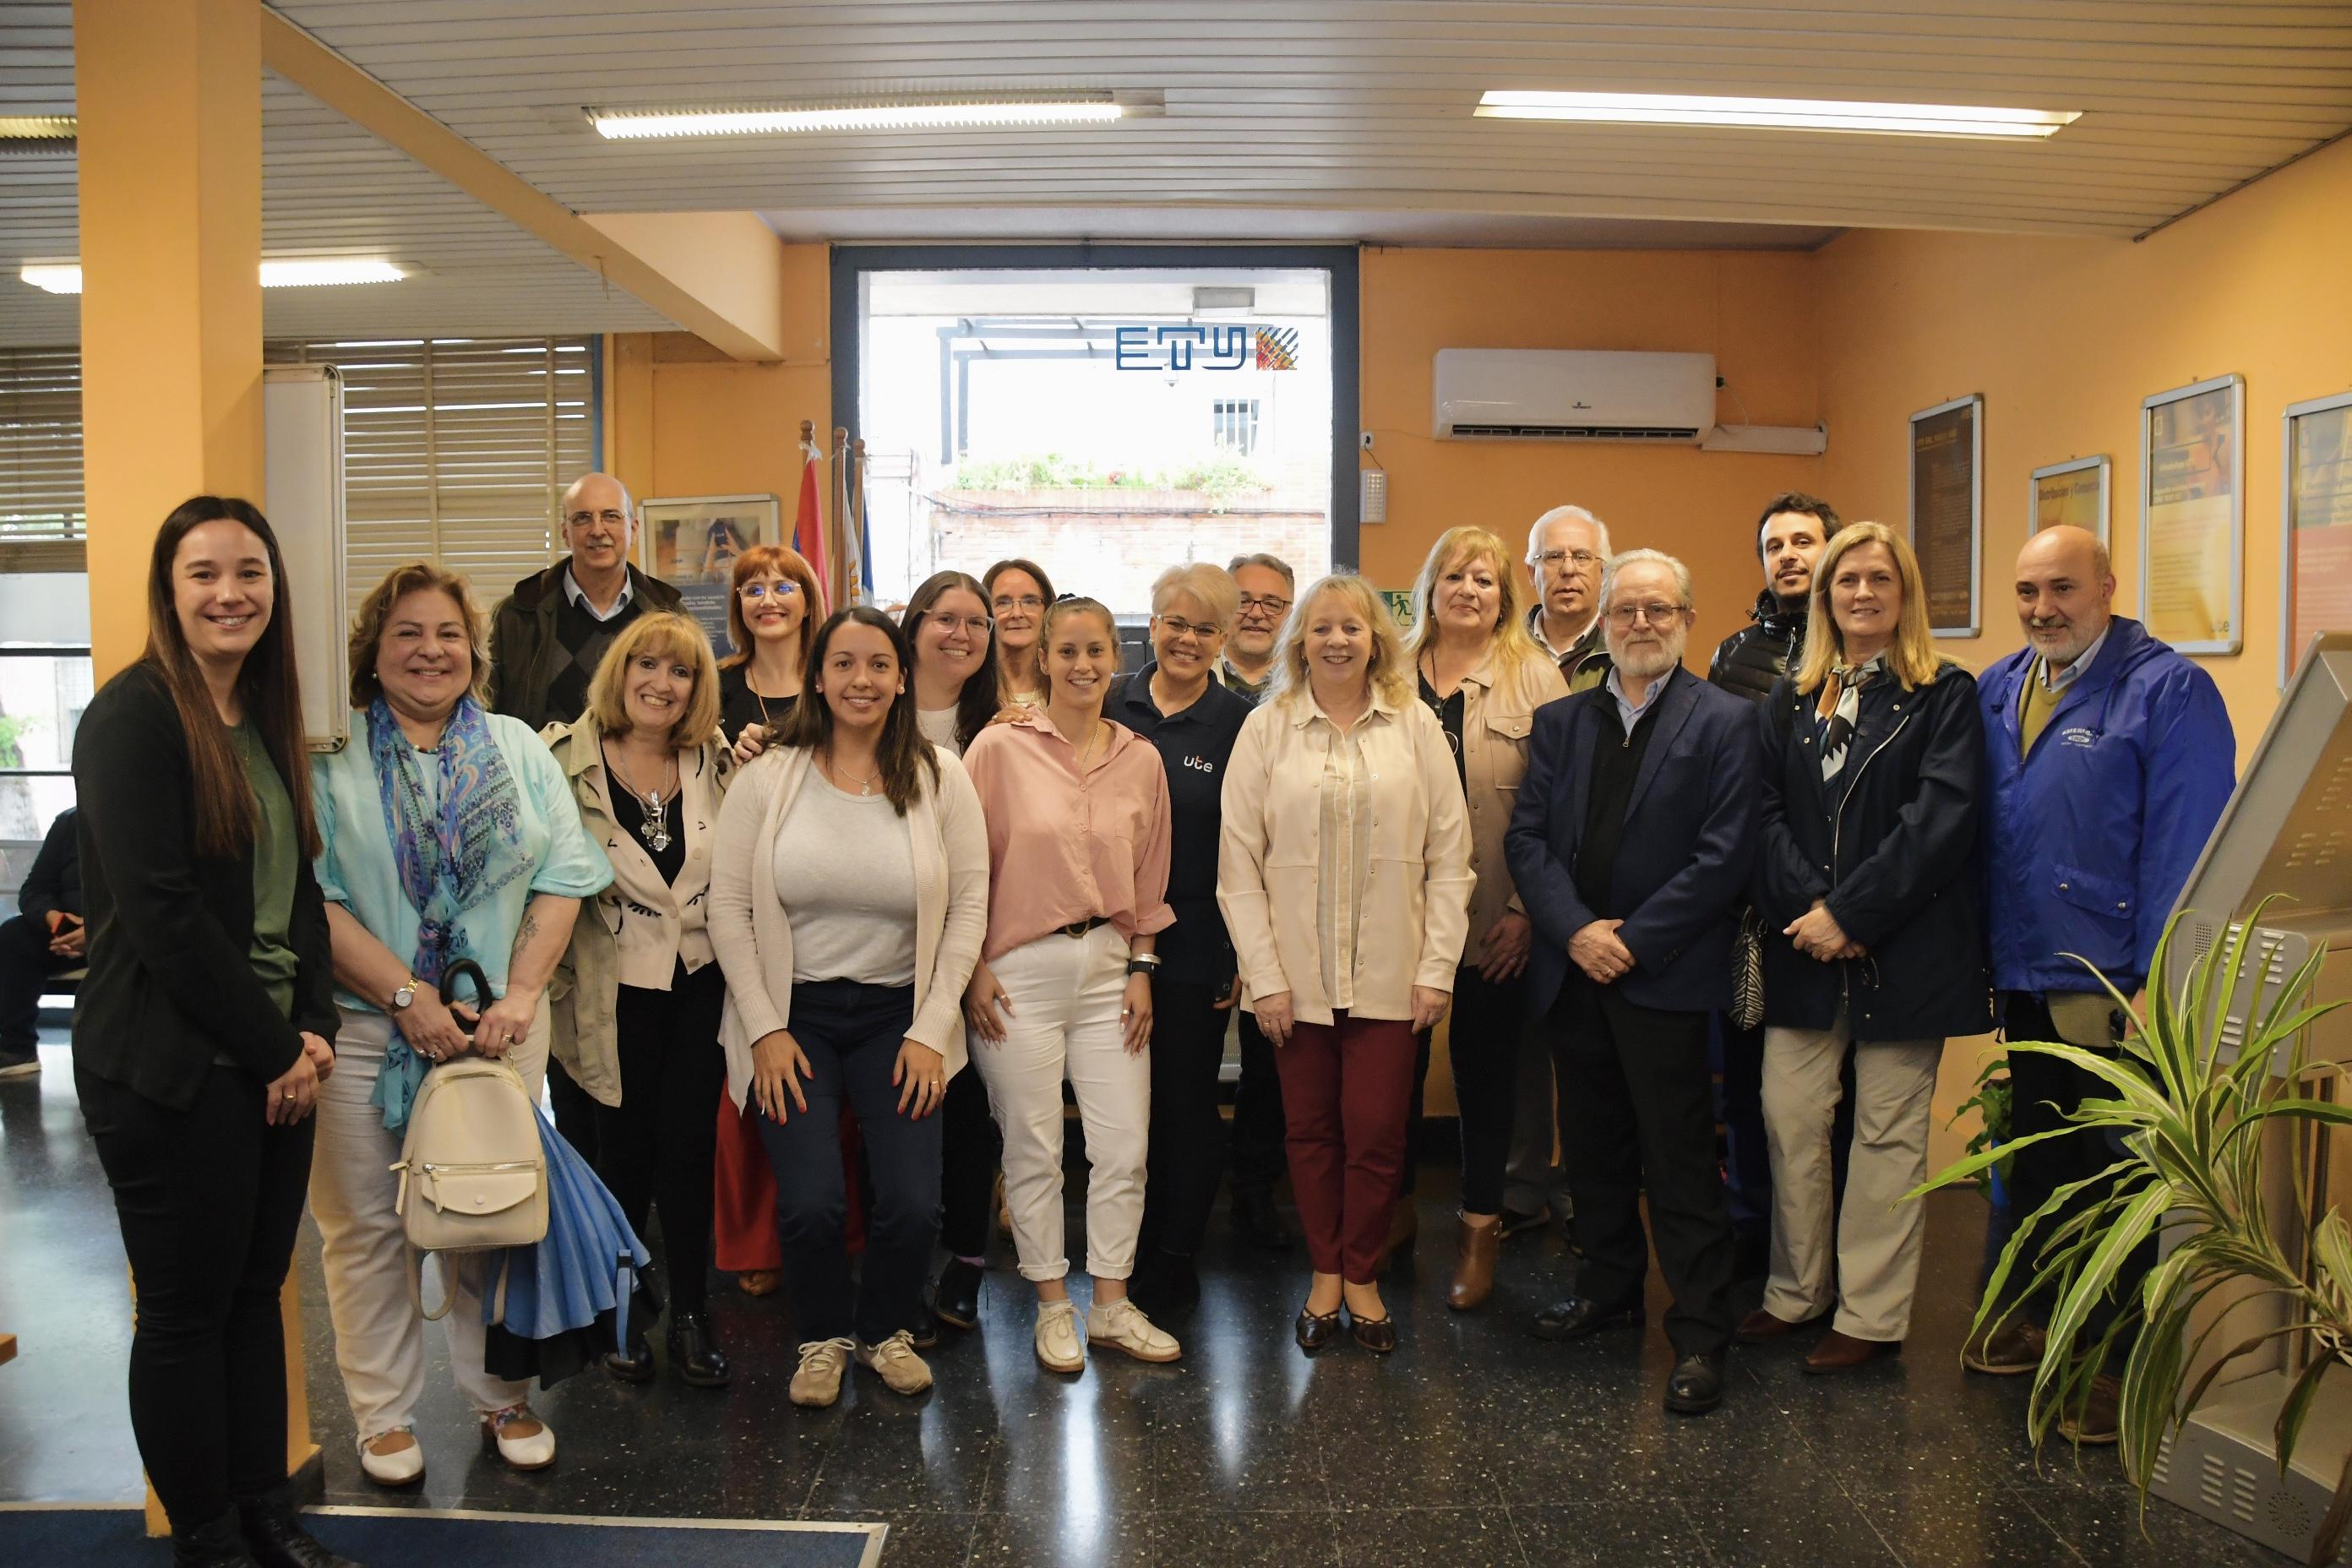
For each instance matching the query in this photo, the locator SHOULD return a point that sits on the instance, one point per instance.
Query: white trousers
(1878, 1235)
(1066, 994)
(379, 1333)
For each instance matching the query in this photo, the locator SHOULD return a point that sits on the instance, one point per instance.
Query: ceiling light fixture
(36, 133)
(1778, 115)
(891, 114)
(65, 278)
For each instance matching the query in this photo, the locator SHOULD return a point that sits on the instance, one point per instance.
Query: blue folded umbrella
(567, 1299)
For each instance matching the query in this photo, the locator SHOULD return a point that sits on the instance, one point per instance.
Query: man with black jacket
(45, 937)
(1790, 537)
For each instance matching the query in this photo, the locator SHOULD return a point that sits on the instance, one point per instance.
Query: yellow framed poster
(2193, 515)
(1947, 511)
(2315, 525)
(2073, 492)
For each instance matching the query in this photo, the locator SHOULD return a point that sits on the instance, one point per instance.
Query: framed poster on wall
(2315, 525)
(691, 542)
(2192, 490)
(1947, 511)
(2072, 492)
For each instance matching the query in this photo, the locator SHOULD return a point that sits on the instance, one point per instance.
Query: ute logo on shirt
(1202, 763)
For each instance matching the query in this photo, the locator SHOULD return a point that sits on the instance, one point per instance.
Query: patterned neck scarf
(453, 851)
(1840, 708)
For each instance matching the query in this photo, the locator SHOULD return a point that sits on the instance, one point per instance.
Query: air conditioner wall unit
(1573, 394)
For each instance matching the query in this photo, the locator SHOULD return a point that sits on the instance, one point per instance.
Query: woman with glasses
(1344, 876)
(1018, 591)
(1480, 672)
(1077, 848)
(951, 639)
(1176, 704)
(772, 613)
(637, 996)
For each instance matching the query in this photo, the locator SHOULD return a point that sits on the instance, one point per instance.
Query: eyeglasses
(608, 517)
(947, 623)
(1658, 615)
(758, 591)
(1178, 627)
(1583, 560)
(1029, 601)
(1269, 606)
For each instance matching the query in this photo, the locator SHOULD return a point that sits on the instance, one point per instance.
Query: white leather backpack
(473, 1171)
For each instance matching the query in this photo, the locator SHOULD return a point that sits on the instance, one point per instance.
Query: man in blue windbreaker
(2108, 758)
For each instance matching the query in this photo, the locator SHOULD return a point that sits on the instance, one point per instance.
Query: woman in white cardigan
(848, 896)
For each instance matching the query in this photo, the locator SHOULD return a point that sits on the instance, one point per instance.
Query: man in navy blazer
(1631, 845)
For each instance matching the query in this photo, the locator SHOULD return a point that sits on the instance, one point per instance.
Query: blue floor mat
(416, 1538)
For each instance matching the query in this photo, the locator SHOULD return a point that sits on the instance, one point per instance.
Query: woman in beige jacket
(1344, 876)
(847, 904)
(1479, 671)
(635, 1002)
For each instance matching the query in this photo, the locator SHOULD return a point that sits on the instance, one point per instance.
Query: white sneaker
(525, 1442)
(1121, 1325)
(901, 1370)
(818, 1381)
(392, 1458)
(1057, 1337)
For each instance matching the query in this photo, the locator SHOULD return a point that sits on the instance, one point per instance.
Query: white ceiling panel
(1284, 119)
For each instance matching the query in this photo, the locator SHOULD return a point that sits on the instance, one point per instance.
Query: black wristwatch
(1143, 963)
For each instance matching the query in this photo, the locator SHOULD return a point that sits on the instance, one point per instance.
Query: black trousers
(1260, 1150)
(851, 1033)
(1488, 1023)
(209, 1199)
(970, 1149)
(2041, 1089)
(25, 962)
(1637, 1114)
(574, 1109)
(1188, 1134)
(657, 1148)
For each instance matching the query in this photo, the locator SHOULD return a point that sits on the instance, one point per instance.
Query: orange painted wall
(2063, 337)
(1753, 310)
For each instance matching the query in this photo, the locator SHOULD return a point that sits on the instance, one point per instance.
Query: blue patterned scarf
(451, 856)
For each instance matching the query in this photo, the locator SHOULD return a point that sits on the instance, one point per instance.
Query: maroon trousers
(1345, 1088)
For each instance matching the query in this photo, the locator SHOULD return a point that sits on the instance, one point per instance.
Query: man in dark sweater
(1631, 847)
(1790, 537)
(546, 640)
(45, 937)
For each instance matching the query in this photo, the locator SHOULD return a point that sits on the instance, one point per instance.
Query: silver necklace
(655, 828)
(864, 785)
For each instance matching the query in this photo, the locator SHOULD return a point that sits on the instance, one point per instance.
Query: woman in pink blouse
(1077, 808)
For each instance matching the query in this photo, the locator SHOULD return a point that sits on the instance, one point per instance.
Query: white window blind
(41, 511)
(458, 450)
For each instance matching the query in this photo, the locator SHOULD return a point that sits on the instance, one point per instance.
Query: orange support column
(169, 97)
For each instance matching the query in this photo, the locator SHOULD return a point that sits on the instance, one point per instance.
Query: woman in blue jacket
(1866, 881)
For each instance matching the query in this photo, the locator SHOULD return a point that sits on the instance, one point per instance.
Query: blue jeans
(851, 1033)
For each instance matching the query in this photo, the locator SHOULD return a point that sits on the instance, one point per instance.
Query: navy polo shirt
(1194, 747)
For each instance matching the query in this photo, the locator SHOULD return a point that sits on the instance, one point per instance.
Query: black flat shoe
(216, 1544)
(1259, 1222)
(693, 1352)
(276, 1539)
(955, 1301)
(1696, 1385)
(635, 1364)
(1315, 1329)
(927, 1327)
(1580, 1315)
(1375, 1334)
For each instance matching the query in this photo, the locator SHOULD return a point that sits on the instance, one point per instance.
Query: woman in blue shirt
(449, 833)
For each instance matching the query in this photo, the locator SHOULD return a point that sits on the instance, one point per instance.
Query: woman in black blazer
(207, 1020)
(1866, 882)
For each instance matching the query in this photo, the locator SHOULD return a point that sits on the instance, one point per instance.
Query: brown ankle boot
(1474, 1275)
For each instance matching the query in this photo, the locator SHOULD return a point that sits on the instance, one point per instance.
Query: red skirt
(744, 1191)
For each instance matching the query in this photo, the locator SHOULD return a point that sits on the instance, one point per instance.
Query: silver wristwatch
(406, 993)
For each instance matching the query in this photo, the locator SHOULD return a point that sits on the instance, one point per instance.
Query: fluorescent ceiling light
(65, 278)
(1064, 109)
(36, 133)
(1778, 113)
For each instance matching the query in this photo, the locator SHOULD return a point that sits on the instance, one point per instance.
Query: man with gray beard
(1631, 845)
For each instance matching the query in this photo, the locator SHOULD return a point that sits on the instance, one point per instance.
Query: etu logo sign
(1213, 347)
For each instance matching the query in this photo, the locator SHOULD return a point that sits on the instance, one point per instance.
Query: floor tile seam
(2025, 1500)
(1511, 1518)
(1869, 1523)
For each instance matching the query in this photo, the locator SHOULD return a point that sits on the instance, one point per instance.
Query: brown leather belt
(1080, 928)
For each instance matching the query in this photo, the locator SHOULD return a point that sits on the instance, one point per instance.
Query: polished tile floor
(1474, 1443)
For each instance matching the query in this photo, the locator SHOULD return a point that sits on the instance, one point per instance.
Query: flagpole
(860, 541)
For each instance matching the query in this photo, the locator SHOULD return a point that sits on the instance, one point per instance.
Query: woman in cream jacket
(1344, 876)
(847, 902)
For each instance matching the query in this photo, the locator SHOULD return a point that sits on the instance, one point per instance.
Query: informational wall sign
(1947, 511)
(691, 542)
(2193, 515)
(2315, 544)
(2074, 494)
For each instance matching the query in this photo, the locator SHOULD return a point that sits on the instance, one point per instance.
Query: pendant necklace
(655, 828)
(864, 785)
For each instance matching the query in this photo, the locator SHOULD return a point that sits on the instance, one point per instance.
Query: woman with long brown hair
(1018, 593)
(207, 1025)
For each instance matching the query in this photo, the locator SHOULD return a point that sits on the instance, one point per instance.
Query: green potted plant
(2190, 1125)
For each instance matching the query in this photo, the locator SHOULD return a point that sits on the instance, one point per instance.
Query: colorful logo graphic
(1277, 348)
